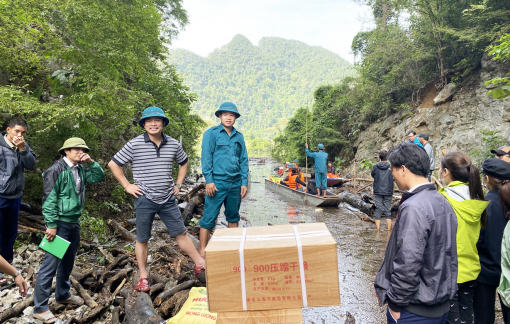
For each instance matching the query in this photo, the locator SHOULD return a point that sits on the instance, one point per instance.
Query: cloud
(327, 23)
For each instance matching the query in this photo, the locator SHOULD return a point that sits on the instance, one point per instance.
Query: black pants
(483, 303)
(461, 307)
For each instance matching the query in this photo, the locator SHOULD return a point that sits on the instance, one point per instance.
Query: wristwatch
(16, 274)
(178, 185)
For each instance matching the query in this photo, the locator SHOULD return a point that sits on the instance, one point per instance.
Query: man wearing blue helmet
(151, 156)
(320, 158)
(225, 169)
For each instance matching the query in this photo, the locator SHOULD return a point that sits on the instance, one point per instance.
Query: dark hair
(383, 155)
(411, 132)
(462, 170)
(412, 156)
(17, 122)
(294, 170)
(503, 188)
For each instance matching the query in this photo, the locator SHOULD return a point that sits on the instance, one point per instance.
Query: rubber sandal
(74, 300)
(45, 318)
(199, 269)
(143, 285)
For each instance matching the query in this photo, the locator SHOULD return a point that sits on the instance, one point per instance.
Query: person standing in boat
(320, 166)
(225, 168)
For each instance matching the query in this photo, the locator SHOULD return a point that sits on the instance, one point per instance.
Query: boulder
(444, 95)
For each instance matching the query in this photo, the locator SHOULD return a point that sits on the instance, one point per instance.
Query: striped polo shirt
(152, 165)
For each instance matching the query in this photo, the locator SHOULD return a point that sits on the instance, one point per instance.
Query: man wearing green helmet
(225, 169)
(63, 200)
(321, 158)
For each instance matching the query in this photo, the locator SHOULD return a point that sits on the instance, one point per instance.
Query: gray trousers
(51, 265)
(382, 206)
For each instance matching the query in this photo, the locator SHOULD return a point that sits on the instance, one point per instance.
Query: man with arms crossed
(15, 155)
(151, 156)
(418, 276)
(225, 168)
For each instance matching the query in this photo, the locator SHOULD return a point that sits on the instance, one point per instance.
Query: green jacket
(469, 214)
(504, 281)
(60, 199)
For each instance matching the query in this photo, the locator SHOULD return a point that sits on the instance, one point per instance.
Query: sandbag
(195, 310)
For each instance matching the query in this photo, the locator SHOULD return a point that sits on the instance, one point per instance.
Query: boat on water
(312, 200)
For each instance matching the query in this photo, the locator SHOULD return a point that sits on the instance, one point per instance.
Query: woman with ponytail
(496, 173)
(497, 177)
(464, 192)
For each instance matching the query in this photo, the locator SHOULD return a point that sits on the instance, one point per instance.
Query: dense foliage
(88, 68)
(267, 82)
(414, 42)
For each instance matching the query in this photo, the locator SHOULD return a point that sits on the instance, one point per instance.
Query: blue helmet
(228, 106)
(153, 112)
(320, 146)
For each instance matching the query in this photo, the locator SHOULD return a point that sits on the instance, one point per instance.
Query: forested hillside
(89, 68)
(414, 44)
(268, 82)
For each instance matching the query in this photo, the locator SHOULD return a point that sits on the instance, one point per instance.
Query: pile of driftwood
(105, 276)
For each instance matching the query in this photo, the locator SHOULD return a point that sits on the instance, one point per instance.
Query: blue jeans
(228, 194)
(407, 318)
(9, 212)
(321, 180)
(51, 265)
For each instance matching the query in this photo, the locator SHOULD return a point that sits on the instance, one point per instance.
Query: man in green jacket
(63, 199)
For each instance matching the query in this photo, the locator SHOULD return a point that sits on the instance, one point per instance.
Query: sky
(331, 24)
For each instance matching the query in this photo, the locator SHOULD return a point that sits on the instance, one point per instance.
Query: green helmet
(73, 142)
(228, 106)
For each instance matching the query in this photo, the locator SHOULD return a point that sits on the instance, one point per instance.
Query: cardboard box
(272, 271)
(279, 316)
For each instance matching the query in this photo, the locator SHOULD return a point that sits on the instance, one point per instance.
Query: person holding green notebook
(63, 199)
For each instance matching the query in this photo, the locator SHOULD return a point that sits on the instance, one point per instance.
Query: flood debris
(105, 275)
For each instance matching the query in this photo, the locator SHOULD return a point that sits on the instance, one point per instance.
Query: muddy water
(360, 250)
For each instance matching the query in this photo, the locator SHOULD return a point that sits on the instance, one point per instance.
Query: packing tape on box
(266, 237)
(296, 235)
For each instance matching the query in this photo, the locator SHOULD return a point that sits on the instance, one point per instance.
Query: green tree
(88, 68)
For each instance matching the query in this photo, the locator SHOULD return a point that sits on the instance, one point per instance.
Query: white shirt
(417, 186)
(76, 174)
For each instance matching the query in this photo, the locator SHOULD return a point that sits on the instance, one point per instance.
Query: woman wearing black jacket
(489, 244)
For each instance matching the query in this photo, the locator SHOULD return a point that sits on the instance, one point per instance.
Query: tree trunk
(124, 233)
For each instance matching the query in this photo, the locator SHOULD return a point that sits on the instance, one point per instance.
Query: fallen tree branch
(18, 308)
(83, 293)
(112, 265)
(121, 231)
(107, 255)
(170, 292)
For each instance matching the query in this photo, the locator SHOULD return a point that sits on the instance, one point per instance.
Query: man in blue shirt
(320, 166)
(411, 135)
(225, 169)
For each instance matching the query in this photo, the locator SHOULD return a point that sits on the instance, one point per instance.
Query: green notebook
(57, 247)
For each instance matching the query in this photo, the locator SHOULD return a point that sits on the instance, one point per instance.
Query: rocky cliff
(455, 125)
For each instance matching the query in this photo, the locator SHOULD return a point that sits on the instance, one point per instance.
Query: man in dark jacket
(383, 190)
(15, 156)
(418, 276)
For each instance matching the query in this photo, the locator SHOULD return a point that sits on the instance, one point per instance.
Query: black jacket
(489, 242)
(12, 175)
(383, 179)
(419, 270)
